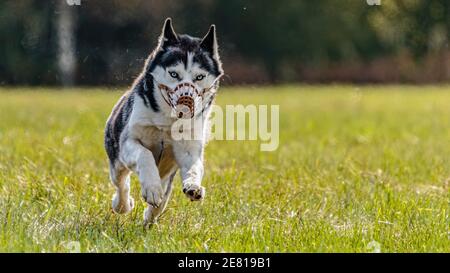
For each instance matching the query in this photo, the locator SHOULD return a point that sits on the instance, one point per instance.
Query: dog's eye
(199, 77)
(173, 74)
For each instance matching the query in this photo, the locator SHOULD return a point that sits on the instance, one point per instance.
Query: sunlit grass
(354, 165)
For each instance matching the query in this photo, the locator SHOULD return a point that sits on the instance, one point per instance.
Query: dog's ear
(209, 42)
(168, 36)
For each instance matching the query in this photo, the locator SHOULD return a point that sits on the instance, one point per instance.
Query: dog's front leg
(189, 157)
(141, 161)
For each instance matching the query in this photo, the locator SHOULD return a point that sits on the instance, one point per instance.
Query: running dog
(179, 80)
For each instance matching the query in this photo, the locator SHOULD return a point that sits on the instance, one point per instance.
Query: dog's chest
(159, 142)
(151, 136)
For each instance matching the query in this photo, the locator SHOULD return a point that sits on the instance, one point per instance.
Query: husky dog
(179, 80)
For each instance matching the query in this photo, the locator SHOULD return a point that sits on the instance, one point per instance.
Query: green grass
(354, 165)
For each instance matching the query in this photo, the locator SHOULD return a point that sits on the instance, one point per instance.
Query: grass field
(356, 167)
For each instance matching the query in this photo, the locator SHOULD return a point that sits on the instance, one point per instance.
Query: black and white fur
(138, 132)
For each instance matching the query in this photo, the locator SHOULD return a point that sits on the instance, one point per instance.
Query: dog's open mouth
(183, 99)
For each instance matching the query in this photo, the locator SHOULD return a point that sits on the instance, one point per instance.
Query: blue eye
(173, 74)
(199, 77)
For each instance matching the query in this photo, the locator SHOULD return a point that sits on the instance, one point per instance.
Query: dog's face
(185, 66)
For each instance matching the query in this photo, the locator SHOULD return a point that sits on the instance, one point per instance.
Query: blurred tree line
(262, 41)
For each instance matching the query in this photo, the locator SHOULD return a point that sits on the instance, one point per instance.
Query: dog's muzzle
(183, 99)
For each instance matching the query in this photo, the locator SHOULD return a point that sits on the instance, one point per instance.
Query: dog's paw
(152, 194)
(193, 191)
(123, 207)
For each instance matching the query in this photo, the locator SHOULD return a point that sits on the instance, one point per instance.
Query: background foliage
(262, 41)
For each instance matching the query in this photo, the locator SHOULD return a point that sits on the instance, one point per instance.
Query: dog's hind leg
(122, 202)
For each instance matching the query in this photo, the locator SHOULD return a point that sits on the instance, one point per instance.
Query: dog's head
(185, 70)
